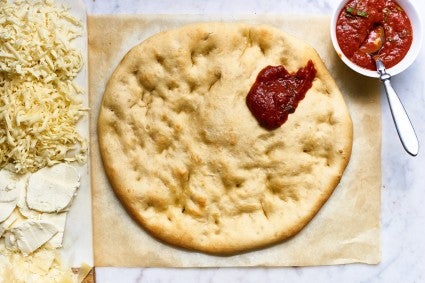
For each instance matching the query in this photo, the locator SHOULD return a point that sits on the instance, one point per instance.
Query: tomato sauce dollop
(276, 93)
(359, 17)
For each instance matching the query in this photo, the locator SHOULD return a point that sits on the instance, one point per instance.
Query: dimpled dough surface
(189, 161)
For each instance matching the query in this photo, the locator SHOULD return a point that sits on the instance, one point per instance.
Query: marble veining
(207, 6)
(403, 186)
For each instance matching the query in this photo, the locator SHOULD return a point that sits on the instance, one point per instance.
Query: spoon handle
(401, 119)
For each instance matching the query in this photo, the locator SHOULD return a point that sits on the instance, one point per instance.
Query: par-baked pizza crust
(189, 161)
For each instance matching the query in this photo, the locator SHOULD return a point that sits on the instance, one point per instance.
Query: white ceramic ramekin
(411, 55)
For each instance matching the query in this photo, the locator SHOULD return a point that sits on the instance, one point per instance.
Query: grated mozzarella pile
(40, 106)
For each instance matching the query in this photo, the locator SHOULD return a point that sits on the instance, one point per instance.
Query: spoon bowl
(374, 41)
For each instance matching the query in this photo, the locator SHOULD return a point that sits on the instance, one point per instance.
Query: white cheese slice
(6, 224)
(58, 220)
(8, 194)
(23, 207)
(10, 241)
(8, 200)
(22, 201)
(32, 234)
(52, 189)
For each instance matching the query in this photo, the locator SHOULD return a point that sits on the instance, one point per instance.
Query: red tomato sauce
(359, 17)
(276, 93)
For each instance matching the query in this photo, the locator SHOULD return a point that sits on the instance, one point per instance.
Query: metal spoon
(372, 45)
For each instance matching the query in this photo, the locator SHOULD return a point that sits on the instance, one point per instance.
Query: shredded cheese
(40, 106)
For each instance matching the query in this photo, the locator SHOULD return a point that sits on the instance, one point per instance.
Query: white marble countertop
(403, 189)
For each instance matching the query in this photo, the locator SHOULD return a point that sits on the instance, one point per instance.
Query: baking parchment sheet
(77, 242)
(346, 229)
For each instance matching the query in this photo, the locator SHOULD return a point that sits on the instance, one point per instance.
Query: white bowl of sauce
(352, 21)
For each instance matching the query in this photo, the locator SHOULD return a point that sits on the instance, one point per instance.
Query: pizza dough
(189, 161)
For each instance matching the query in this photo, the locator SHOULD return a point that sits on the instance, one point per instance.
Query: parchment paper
(347, 228)
(77, 241)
